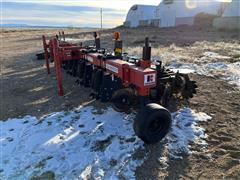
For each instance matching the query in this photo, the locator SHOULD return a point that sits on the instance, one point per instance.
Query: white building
(183, 12)
(170, 13)
(139, 15)
(233, 9)
(230, 18)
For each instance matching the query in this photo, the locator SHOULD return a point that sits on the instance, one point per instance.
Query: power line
(101, 17)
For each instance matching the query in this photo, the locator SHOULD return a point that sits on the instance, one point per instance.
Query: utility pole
(101, 18)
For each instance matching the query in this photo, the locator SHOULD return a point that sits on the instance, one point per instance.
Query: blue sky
(81, 13)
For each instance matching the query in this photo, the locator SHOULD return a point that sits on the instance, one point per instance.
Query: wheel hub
(155, 126)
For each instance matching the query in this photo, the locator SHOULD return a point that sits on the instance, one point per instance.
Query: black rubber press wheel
(122, 100)
(40, 56)
(152, 123)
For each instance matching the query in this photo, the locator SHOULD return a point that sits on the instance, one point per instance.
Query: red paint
(57, 63)
(140, 75)
(45, 46)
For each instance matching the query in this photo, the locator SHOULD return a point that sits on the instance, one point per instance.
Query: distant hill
(14, 25)
(31, 26)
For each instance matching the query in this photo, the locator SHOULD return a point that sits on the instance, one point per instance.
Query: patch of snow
(182, 67)
(183, 71)
(81, 144)
(229, 72)
(163, 162)
(225, 71)
(72, 145)
(214, 55)
(186, 131)
(72, 39)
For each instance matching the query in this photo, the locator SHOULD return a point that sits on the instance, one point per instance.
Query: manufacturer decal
(149, 79)
(89, 58)
(112, 68)
(68, 53)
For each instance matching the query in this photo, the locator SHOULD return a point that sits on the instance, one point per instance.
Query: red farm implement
(127, 83)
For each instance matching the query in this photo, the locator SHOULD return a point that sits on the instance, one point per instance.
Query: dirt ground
(26, 89)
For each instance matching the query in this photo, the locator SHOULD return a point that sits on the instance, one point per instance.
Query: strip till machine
(128, 83)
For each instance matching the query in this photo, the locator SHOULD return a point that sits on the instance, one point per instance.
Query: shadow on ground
(29, 90)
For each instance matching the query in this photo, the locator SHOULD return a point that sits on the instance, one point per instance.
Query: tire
(87, 77)
(122, 100)
(40, 56)
(74, 68)
(106, 88)
(94, 72)
(97, 80)
(152, 123)
(81, 69)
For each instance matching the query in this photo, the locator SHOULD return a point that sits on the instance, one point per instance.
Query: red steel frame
(46, 54)
(141, 76)
(60, 51)
(48, 48)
